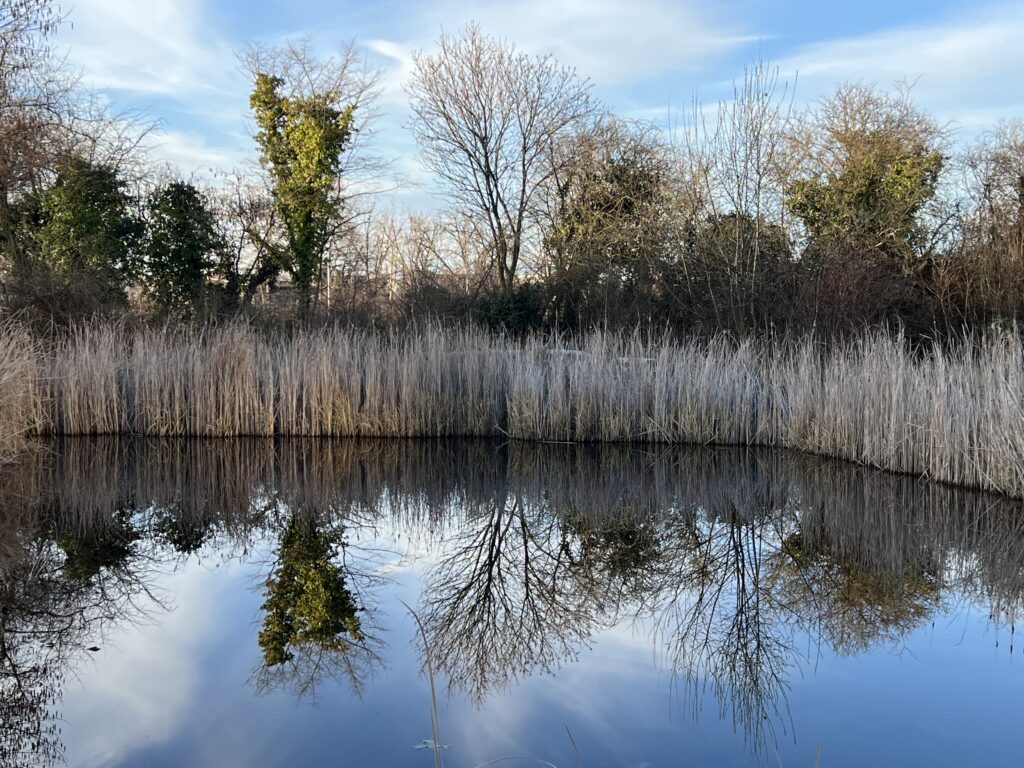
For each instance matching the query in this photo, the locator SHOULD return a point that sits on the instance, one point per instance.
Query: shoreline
(953, 415)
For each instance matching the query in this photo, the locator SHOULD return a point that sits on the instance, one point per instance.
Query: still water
(253, 603)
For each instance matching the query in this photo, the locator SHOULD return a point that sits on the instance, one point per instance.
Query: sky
(175, 61)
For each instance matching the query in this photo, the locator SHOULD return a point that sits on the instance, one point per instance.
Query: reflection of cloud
(579, 694)
(143, 683)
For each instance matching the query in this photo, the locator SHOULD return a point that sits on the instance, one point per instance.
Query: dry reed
(952, 414)
(20, 393)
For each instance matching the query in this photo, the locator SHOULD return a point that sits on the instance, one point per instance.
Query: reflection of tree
(505, 600)
(731, 555)
(848, 604)
(185, 533)
(741, 584)
(56, 595)
(311, 628)
(521, 587)
(719, 618)
(101, 548)
(31, 675)
(623, 553)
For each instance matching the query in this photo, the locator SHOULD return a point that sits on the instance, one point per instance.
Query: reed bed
(953, 414)
(19, 389)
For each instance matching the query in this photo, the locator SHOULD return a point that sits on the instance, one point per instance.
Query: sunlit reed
(952, 414)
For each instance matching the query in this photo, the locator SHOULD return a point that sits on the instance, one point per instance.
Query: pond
(287, 603)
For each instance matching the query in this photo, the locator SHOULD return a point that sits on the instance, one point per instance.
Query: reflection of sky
(177, 692)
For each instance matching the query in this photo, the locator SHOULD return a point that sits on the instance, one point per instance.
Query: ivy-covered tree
(182, 249)
(872, 164)
(304, 116)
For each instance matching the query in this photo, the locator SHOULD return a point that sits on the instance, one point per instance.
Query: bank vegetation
(952, 413)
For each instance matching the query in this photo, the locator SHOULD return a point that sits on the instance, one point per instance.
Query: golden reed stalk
(951, 414)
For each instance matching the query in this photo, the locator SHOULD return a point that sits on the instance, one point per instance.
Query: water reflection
(313, 627)
(730, 559)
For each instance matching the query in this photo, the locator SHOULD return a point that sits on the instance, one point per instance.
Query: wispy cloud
(156, 47)
(607, 41)
(965, 69)
(191, 153)
(162, 56)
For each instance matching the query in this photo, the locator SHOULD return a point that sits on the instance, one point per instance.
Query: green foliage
(608, 227)
(516, 310)
(307, 602)
(743, 234)
(181, 249)
(872, 201)
(605, 209)
(302, 140)
(89, 224)
(104, 548)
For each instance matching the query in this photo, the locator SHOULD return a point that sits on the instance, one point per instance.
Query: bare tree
(733, 162)
(247, 222)
(991, 226)
(486, 117)
(413, 264)
(31, 93)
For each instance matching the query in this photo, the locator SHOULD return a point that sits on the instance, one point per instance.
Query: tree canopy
(301, 140)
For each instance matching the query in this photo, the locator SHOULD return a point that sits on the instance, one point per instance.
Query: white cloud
(396, 69)
(158, 47)
(162, 50)
(964, 69)
(608, 41)
(191, 154)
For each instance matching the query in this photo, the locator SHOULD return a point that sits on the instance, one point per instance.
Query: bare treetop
(486, 117)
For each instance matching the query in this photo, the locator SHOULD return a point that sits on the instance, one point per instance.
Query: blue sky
(174, 60)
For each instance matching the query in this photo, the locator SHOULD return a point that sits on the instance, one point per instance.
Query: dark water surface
(240, 603)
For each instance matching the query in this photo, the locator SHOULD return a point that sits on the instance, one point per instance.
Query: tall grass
(953, 414)
(20, 393)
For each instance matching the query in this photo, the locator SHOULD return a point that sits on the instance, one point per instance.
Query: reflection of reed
(878, 520)
(727, 553)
